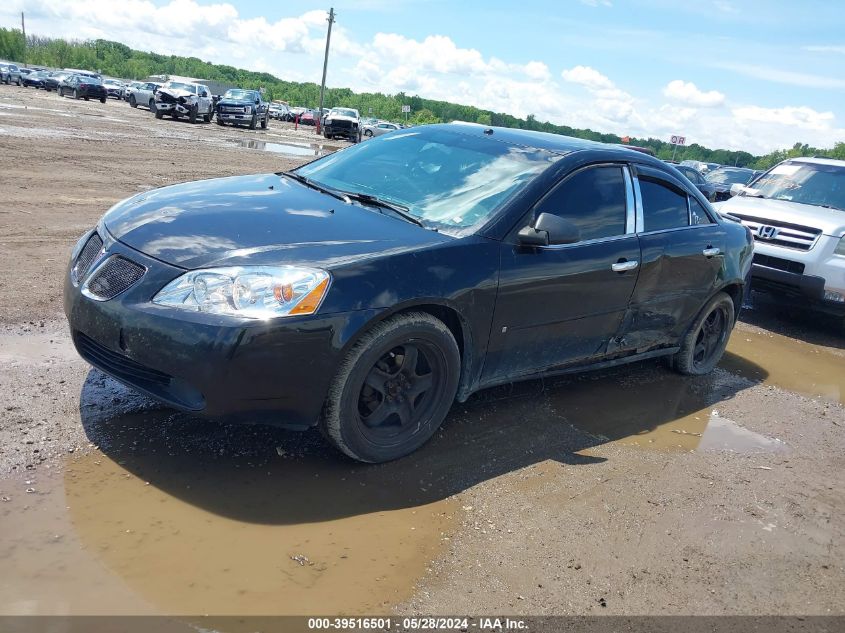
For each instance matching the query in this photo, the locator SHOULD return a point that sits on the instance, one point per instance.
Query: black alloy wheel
(394, 388)
(702, 347)
(711, 337)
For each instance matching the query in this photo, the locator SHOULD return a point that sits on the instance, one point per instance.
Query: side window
(593, 199)
(697, 213)
(663, 207)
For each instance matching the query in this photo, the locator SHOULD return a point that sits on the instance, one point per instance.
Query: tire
(252, 122)
(158, 114)
(368, 133)
(132, 101)
(192, 117)
(208, 115)
(60, 92)
(705, 342)
(264, 123)
(102, 99)
(220, 121)
(152, 105)
(75, 94)
(403, 412)
(86, 98)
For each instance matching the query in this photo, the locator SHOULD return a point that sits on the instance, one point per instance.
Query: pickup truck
(177, 99)
(240, 107)
(796, 213)
(344, 122)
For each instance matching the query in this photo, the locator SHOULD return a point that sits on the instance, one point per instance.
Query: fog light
(832, 295)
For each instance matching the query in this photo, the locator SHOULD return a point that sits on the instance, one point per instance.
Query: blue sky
(747, 74)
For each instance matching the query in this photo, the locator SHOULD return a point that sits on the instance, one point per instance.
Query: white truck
(796, 213)
(177, 99)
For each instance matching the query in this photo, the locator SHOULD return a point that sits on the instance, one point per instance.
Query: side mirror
(549, 229)
(737, 189)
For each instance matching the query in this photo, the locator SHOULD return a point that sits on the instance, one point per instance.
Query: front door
(563, 303)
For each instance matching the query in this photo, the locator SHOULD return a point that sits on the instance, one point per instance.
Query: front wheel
(192, 117)
(252, 122)
(159, 114)
(75, 94)
(368, 133)
(132, 101)
(393, 389)
(264, 123)
(703, 346)
(102, 99)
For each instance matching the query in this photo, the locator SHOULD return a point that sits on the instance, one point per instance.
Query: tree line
(118, 60)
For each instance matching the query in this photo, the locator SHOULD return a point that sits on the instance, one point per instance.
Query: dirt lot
(630, 491)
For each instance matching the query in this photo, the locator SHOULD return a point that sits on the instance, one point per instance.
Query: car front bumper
(163, 106)
(275, 371)
(796, 288)
(231, 117)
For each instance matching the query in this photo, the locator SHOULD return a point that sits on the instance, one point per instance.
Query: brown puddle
(294, 535)
(787, 363)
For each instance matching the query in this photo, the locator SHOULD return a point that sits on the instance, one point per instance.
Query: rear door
(562, 304)
(682, 260)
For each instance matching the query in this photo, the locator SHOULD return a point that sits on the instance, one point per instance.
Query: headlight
(840, 248)
(254, 292)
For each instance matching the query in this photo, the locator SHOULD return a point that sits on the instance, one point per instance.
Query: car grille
(785, 234)
(118, 365)
(86, 257)
(779, 263)
(233, 109)
(116, 275)
(342, 125)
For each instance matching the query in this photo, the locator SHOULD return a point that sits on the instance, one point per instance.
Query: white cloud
(688, 93)
(588, 77)
(826, 49)
(777, 75)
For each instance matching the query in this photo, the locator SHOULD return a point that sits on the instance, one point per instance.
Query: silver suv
(796, 213)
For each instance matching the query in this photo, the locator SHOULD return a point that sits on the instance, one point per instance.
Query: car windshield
(443, 178)
(343, 112)
(237, 93)
(89, 80)
(807, 183)
(180, 86)
(730, 176)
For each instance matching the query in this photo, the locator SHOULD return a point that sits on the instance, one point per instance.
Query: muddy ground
(632, 491)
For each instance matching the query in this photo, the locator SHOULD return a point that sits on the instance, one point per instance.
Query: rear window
(663, 206)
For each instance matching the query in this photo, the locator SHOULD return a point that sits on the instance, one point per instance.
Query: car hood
(238, 102)
(341, 117)
(177, 92)
(259, 220)
(830, 221)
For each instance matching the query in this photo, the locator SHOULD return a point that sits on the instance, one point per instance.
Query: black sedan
(708, 189)
(83, 87)
(34, 79)
(54, 80)
(726, 177)
(365, 291)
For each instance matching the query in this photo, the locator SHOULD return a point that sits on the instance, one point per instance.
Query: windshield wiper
(314, 185)
(399, 209)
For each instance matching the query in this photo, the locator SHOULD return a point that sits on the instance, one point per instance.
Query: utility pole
(325, 66)
(23, 30)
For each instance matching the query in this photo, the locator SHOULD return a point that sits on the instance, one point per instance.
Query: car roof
(817, 161)
(556, 143)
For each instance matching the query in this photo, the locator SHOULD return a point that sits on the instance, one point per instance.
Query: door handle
(621, 267)
(710, 251)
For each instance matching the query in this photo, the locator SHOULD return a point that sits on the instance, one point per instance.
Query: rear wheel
(264, 123)
(102, 99)
(703, 346)
(393, 389)
(368, 133)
